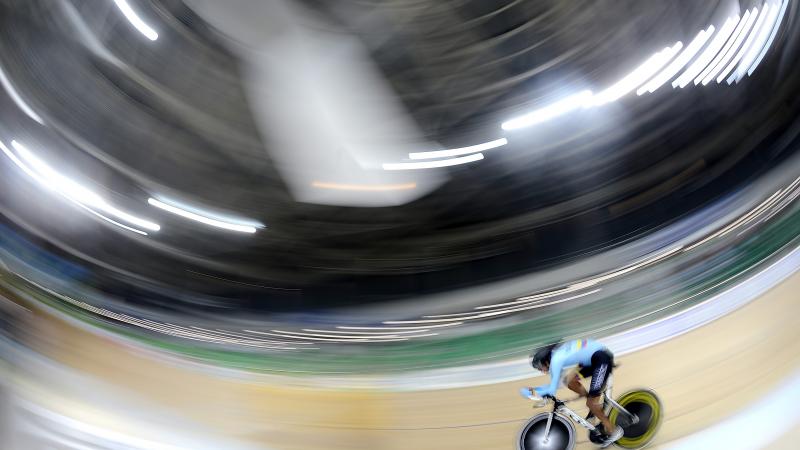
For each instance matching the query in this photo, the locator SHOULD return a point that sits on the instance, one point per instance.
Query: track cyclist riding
(592, 359)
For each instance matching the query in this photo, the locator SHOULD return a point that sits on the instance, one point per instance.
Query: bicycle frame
(609, 398)
(560, 407)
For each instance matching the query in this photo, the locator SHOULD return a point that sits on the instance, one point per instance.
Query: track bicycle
(638, 412)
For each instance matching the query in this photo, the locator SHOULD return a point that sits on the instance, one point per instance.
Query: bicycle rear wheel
(645, 405)
(560, 437)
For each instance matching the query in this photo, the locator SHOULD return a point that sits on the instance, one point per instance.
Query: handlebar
(542, 401)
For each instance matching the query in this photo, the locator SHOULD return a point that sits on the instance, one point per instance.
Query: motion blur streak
(740, 22)
(771, 38)
(773, 415)
(762, 15)
(364, 187)
(764, 206)
(756, 44)
(529, 307)
(556, 109)
(112, 221)
(732, 46)
(71, 190)
(492, 313)
(187, 333)
(371, 333)
(710, 52)
(433, 164)
(459, 151)
(755, 47)
(638, 76)
(734, 28)
(590, 282)
(400, 328)
(270, 225)
(99, 433)
(74, 191)
(678, 63)
(135, 20)
(17, 99)
(201, 218)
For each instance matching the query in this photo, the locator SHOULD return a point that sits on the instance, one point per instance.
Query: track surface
(702, 377)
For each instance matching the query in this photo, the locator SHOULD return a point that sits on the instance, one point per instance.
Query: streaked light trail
(678, 63)
(17, 99)
(725, 51)
(639, 75)
(459, 151)
(774, 32)
(730, 48)
(69, 189)
(708, 54)
(757, 45)
(364, 187)
(747, 43)
(202, 218)
(571, 103)
(433, 164)
(135, 20)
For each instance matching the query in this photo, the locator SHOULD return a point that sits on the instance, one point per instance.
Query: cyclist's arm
(556, 366)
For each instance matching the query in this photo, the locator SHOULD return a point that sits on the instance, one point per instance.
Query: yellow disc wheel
(647, 407)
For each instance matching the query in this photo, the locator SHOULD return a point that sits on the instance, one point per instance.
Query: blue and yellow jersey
(568, 354)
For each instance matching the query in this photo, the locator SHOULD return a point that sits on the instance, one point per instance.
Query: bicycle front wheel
(645, 405)
(560, 437)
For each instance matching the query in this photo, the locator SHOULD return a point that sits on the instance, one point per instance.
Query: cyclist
(592, 358)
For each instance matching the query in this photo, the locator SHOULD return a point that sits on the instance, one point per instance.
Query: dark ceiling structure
(135, 118)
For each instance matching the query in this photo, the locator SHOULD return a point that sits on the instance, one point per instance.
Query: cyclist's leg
(595, 405)
(575, 384)
(602, 364)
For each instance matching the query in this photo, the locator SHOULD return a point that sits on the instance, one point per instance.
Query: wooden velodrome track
(702, 377)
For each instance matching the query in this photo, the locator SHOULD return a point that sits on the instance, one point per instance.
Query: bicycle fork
(547, 427)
